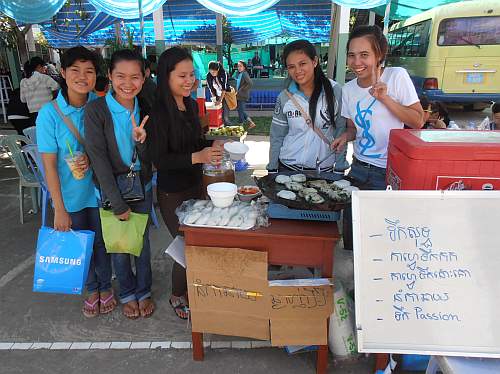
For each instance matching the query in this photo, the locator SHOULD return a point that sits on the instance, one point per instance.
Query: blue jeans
(136, 286)
(241, 111)
(365, 178)
(99, 277)
(225, 113)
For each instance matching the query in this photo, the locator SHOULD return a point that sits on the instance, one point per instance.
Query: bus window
(469, 31)
(410, 41)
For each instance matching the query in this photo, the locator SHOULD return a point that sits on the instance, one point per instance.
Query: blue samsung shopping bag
(62, 260)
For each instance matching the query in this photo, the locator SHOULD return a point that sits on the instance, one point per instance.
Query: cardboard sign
(228, 291)
(298, 314)
(230, 295)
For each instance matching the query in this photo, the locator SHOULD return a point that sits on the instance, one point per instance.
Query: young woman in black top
(177, 149)
(218, 84)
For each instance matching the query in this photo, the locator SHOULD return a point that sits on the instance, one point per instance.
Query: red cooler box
(214, 115)
(444, 160)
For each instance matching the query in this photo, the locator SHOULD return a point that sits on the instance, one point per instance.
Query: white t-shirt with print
(373, 119)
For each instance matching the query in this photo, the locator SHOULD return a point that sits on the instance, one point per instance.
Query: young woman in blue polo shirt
(113, 137)
(73, 194)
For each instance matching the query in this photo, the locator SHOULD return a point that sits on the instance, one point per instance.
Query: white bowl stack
(222, 193)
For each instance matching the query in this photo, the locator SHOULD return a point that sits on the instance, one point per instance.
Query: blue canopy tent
(187, 21)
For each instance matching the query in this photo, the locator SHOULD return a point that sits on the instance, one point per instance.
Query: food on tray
(236, 221)
(342, 183)
(203, 219)
(294, 186)
(307, 191)
(285, 194)
(239, 215)
(314, 198)
(317, 183)
(227, 131)
(282, 179)
(193, 216)
(300, 178)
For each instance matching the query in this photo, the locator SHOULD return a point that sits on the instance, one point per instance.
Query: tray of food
(307, 191)
(236, 133)
(202, 213)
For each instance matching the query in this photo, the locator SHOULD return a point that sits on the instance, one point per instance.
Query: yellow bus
(452, 52)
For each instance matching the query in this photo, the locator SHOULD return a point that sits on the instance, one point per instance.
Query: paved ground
(28, 317)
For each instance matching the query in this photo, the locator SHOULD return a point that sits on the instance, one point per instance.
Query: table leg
(322, 359)
(381, 361)
(198, 353)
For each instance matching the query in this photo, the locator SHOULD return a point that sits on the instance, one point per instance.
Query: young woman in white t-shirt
(377, 101)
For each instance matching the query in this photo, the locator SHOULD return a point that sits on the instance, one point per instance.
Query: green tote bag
(123, 236)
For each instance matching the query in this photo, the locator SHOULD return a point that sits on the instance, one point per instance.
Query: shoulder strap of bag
(68, 123)
(307, 118)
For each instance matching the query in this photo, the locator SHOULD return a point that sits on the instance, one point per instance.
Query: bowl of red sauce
(247, 193)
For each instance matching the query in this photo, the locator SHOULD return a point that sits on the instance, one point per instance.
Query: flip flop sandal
(104, 303)
(150, 313)
(179, 305)
(92, 308)
(131, 316)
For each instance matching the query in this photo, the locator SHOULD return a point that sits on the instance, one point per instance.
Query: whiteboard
(427, 272)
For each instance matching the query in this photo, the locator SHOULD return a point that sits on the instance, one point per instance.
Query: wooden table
(287, 242)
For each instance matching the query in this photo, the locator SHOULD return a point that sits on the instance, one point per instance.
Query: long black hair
(164, 116)
(73, 55)
(321, 82)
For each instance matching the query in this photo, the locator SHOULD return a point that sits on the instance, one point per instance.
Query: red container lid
(447, 144)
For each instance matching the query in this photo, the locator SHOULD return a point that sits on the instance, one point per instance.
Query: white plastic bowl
(222, 193)
(236, 150)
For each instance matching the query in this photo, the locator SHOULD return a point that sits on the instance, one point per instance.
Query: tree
(13, 36)
(227, 41)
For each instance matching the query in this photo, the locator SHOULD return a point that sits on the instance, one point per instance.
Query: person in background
(243, 85)
(18, 113)
(197, 81)
(255, 62)
(495, 111)
(178, 150)
(114, 141)
(37, 88)
(101, 86)
(71, 187)
(311, 99)
(148, 92)
(439, 118)
(378, 100)
(218, 84)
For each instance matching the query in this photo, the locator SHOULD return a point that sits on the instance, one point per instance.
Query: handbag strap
(68, 122)
(307, 118)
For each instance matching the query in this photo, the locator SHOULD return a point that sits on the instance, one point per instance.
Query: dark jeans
(136, 286)
(365, 178)
(241, 111)
(169, 201)
(99, 277)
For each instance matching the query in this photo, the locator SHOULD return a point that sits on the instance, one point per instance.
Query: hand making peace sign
(139, 132)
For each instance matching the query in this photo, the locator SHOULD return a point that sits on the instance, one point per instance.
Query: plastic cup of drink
(72, 162)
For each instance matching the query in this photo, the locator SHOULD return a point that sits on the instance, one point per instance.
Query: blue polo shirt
(53, 136)
(123, 128)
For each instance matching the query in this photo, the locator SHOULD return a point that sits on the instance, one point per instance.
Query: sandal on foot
(107, 304)
(179, 307)
(146, 307)
(131, 310)
(90, 308)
